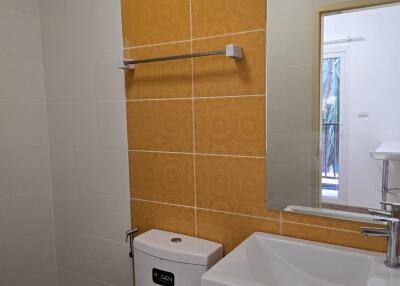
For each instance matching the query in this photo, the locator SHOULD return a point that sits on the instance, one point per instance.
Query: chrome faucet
(393, 213)
(391, 232)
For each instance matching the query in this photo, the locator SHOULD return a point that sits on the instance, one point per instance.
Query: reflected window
(330, 120)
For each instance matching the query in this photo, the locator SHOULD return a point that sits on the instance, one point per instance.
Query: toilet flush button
(176, 240)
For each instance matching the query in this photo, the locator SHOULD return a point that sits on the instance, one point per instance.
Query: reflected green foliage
(330, 114)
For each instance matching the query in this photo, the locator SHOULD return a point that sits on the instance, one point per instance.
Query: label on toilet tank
(163, 278)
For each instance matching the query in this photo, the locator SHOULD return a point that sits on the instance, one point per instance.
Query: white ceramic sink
(265, 259)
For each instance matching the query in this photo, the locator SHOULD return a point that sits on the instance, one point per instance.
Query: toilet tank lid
(178, 247)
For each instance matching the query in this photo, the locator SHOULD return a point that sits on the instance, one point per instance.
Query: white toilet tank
(171, 259)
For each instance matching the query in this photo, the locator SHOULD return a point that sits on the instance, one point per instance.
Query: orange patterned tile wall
(196, 127)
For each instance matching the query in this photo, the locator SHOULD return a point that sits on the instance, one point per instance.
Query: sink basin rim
(220, 275)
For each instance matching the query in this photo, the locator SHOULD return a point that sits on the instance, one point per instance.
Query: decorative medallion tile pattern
(160, 125)
(172, 79)
(196, 127)
(149, 215)
(219, 76)
(232, 184)
(231, 126)
(219, 17)
(162, 177)
(147, 22)
(232, 229)
(333, 236)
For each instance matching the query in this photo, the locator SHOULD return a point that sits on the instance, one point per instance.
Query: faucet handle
(394, 209)
(394, 206)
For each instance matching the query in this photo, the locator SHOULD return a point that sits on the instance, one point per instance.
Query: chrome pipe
(177, 57)
(385, 183)
(231, 51)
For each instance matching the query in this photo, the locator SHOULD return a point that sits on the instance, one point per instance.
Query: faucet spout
(377, 212)
(374, 232)
(392, 233)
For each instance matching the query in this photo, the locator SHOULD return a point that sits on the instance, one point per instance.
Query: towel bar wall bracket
(231, 51)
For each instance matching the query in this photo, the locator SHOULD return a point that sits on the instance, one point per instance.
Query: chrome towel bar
(231, 51)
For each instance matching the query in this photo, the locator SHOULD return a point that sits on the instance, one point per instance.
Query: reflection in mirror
(333, 120)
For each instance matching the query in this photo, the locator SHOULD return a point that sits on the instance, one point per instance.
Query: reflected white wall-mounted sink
(265, 259)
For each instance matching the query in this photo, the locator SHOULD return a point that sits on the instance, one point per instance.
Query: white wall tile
(19, 171)
(69, 250)
(24, 39)
(105, 216)
(106, 260)
(52, 16)
(34, 169)
(23, 125)
(2, 223)
(79, 76)
(21, 79)
(69, 278)
(93, 25)
(67, 209)
(34, 125)
(27, 244)
(64, 167)
(28, 6)
(109, 80)
(27, 214)
(8, 172)
(111, 124)
(62, 124)
(103, 171)
(88, 35)
(25, 258)
(49, 278)
(86, 123)
(87, 129)
(108, 31)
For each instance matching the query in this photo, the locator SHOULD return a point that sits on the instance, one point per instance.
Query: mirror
(333, 101)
